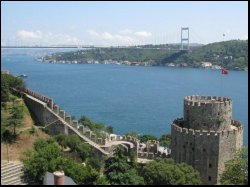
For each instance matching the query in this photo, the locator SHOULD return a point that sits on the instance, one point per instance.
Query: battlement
(206, 135)
(235, 127)
(207, 112)
(196, 100)
(38, 96)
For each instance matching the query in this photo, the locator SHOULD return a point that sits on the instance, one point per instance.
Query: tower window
(210, 165)
(204, 150)
(209, 178)
(192, 149)
(218, 113)
(190, 143)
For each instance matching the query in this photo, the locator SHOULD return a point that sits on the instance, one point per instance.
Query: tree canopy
(236, 170)
(49, 157)
(165, 140)
(119, 172)
(166, 172)
(7, 82)
(96, 127)
(147, 137)
(15, 118)
(231, 54)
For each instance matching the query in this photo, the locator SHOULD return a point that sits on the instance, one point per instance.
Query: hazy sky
(121, 23)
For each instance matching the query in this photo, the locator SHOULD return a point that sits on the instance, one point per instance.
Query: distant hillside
(115, 54)
(229, 54)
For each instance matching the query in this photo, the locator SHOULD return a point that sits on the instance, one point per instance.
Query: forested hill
(229, 54)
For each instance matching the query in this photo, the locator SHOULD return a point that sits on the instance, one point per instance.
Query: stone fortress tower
(207, 135)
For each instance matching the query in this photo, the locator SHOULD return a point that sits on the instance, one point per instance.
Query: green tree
(147, 137)
(132, 133)
(166, 172)
(9, 81)
(109, 129)
(98, 126)
(73, 141)
(119, 172)
(4, 90)
(165, 140)
(84, 150)
(86, 122)
(15, 119)
(79, 173)
(102, 180)
(46, 157)
(40, 144)
(94, 163)
(61, 139)
(236, 170)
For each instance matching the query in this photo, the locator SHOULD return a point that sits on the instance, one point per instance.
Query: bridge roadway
(90, 142)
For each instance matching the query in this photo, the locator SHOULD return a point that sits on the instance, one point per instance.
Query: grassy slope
(25, 140)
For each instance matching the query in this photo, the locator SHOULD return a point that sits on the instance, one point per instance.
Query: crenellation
(68, 119)
(75, 124)
(80, 128)
(197, 132)
(185, 130)
(191, 131)
(209, 132)
(203, 134)
(212, 133)
(88, 133)
(56, 109)
(93, 137)
(62, 114)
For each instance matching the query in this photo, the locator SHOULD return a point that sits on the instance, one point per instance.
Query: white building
(206, 64)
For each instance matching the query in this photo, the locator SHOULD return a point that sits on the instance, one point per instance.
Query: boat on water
(22, 76)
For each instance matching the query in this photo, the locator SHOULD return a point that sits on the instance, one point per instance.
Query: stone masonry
(207, 136)
(54, 119)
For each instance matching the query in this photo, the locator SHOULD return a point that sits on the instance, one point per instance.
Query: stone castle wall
(229, 142)
(207, 112)
(48, 118)
(198, 140)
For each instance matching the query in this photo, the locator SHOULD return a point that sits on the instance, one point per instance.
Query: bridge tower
(185, 39)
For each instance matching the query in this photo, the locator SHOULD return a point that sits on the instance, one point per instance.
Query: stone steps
(8, 164)
(12, 174)
(6, 168)
(11, 170)
(19, 180)
(13, 180)
(4, 164)
(6, 177)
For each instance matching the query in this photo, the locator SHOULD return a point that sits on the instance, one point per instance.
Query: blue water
(130, 98)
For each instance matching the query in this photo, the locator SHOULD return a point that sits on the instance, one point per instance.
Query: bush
(61, 139)
(46, 157)
(166, 172)
(83, 150)
(73, 141)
